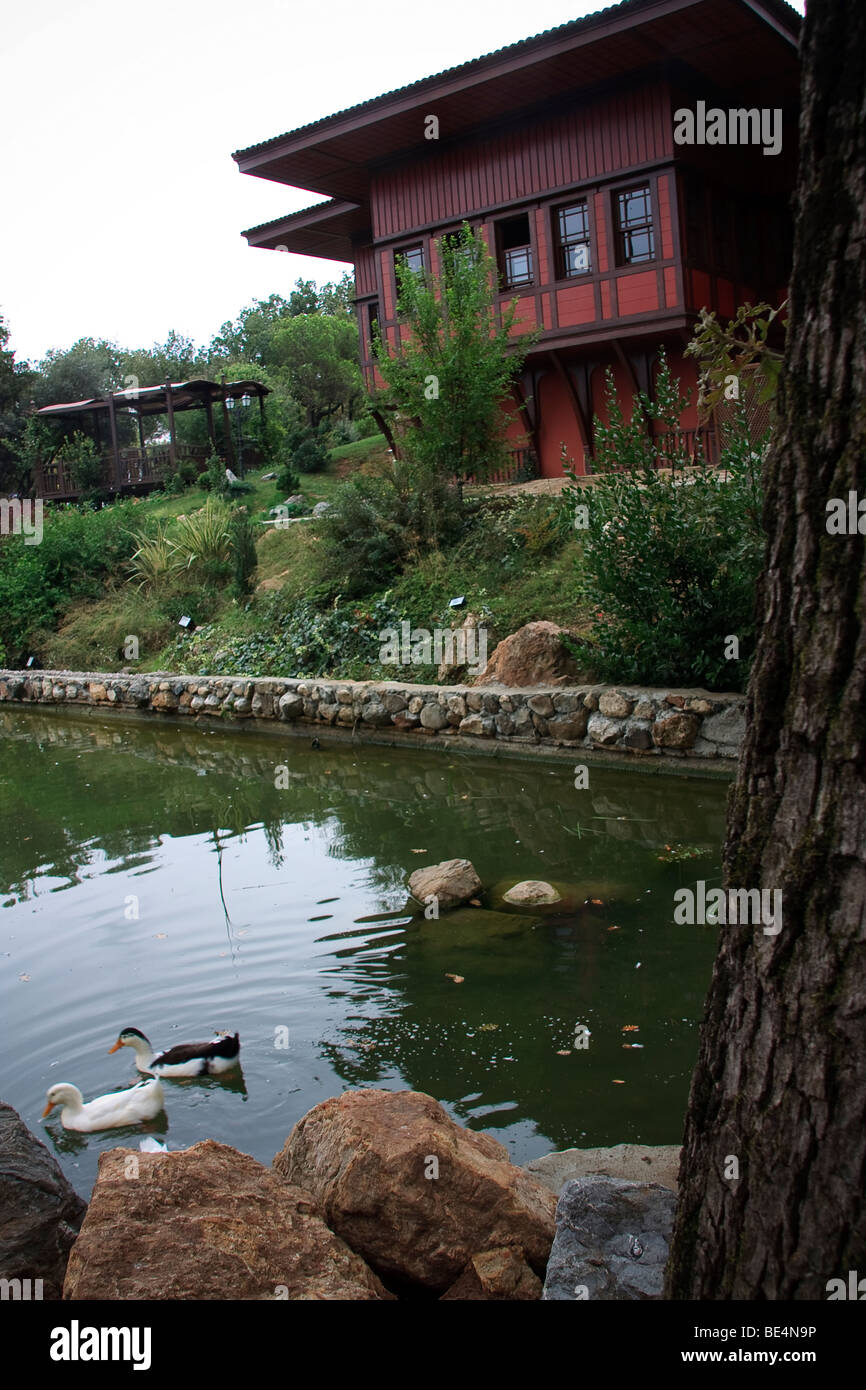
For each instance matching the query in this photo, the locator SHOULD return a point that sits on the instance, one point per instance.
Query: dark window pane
(576, 259)
(411, 256)
(514, 232)
(635, 238)
(518, 266)
(572, 228)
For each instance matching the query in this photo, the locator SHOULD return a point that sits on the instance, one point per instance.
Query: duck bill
(47, 1111)
(117, 1046)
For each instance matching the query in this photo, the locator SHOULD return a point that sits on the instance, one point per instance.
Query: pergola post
(211, 434)
(112, 419)
(172, 450)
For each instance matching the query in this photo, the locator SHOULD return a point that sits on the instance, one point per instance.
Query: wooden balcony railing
(137, 469)
(520, 467)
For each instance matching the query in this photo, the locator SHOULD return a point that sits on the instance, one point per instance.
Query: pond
(175, 881)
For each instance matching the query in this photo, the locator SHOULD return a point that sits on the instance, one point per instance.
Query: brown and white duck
(212, 1058)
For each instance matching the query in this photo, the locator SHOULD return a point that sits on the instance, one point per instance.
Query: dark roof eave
(778, 13)
(152, 400)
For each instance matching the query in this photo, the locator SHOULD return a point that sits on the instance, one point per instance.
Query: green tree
(89, 368)
(16, 384)
(446, 384)
(317, 357)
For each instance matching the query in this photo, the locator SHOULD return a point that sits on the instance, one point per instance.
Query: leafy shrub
(364, 535)
(345, 432)
(288, 480)
(85, 465)
(80, 547)
(213, 479)
(669, 563)
(310, 455)
(184, 476)
(296, 639)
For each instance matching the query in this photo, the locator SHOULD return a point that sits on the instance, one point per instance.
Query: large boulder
(39, 1212)
(534, 655)
(207, 1223)
(612, 1240)
(414, 1193)
(452, 882)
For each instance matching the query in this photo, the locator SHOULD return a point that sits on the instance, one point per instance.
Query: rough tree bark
(781, 1077)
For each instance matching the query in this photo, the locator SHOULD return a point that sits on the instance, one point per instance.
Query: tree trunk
(780, 1083)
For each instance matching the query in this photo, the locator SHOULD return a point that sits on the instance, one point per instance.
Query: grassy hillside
(517, 561)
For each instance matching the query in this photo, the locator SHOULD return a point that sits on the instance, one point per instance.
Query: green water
(156, 877)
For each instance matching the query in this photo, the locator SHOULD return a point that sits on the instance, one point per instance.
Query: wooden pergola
(131, 469)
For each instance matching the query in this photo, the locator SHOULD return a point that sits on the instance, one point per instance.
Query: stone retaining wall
(645, 723)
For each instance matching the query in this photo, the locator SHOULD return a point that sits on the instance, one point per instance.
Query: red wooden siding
(601, 231)
(386, 263)
(615, 132)
(638, 293)
(557, 426)
(576, 304)
(665, 220)
(670, 286)
(365, 271)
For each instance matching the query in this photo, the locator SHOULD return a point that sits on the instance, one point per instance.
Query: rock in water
(207, 1223)
(452, 882)
(39, 1212)
(496, 1276)
(611, 1241)
(414, 1193)
(532, 891)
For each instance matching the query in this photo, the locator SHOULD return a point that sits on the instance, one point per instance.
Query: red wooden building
(565, 150)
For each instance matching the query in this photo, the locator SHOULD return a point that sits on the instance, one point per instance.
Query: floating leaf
(631, 1027)
(618, 1083)
(25, 978)
(418, 851)
(160, 936)
(613, 928)
(458, 979)
(488, 1027)
(564, 1052)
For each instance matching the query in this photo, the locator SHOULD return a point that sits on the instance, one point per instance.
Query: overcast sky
(122, 206)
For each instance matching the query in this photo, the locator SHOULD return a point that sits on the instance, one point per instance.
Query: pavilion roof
(153, 400)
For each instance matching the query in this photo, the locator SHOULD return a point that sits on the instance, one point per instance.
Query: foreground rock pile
(375, 1196)
(40, 1214)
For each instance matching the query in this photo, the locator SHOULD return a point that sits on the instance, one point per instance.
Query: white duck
(186, 1059)
(140, 1102)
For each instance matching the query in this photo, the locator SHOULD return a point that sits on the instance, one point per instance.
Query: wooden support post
(172, 448)
(140, 432)
(210, 428)
(112, 418)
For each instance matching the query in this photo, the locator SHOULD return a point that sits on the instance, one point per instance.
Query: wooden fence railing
(137, 468)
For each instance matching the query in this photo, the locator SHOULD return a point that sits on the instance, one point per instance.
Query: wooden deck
(139, 470)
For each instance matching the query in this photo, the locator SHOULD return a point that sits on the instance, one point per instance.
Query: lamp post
(230, 403)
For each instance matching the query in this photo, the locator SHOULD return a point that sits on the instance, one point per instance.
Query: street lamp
(230, 404)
